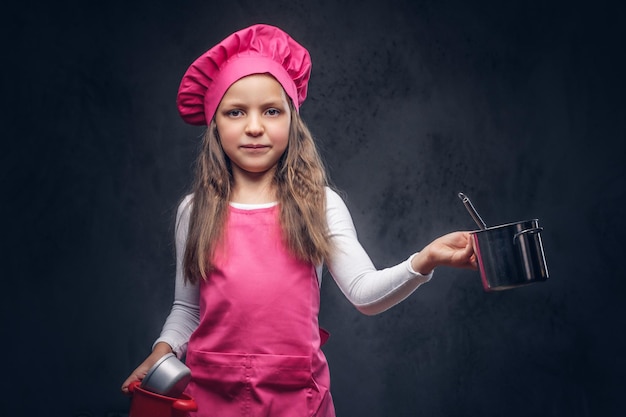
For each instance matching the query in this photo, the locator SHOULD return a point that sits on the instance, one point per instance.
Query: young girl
(252, 237)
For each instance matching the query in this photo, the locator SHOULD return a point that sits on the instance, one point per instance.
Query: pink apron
(256, 352)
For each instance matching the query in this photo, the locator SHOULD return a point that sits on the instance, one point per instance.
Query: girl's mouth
(254, 148)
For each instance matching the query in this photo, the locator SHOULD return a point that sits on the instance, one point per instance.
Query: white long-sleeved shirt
(370, 290)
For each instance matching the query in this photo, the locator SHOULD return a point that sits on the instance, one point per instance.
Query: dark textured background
(520, 104)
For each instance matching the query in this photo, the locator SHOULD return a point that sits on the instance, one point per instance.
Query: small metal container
(510, 255)
(168, 376)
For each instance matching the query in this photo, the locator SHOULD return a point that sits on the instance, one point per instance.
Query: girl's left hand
(455, 249)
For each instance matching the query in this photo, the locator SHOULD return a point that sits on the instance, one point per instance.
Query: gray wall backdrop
(519, 104)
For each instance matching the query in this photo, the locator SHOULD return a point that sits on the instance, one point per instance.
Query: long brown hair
(299, 179)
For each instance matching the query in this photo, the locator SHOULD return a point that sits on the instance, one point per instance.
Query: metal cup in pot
(168, 376)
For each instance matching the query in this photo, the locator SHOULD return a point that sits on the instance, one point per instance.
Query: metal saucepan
(509, 255)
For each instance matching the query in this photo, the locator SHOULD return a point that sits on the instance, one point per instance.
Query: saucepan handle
(185, 405)
(523, 232)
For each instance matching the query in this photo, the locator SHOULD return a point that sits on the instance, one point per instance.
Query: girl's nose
(254, 127)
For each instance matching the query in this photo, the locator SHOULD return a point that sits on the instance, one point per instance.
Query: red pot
(148, 404)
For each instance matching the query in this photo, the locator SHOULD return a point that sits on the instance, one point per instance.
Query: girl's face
(253, 121)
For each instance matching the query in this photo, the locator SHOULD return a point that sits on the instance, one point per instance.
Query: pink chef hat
(258, 49)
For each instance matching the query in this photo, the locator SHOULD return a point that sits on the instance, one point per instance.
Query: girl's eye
(273, 112)
(234, 113)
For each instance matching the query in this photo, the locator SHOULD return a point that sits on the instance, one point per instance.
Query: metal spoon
(472, 211)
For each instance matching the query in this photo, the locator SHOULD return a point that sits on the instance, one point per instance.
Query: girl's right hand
(161, 349)
(455, 249)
